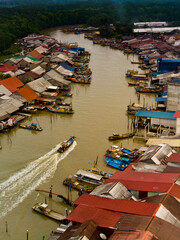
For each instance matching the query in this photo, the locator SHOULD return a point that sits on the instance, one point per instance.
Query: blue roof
(67, 49)
(164, 94)
(78, 48)
(161, 99)
(154, 114)
(67, 66)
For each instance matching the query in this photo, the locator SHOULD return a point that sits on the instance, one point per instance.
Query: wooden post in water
(50, 192)
(6, 227)
(27, 235)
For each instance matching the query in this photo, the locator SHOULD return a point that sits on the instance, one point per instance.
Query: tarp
(155, 114)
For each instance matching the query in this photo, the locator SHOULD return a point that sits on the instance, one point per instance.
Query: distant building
(151, 24)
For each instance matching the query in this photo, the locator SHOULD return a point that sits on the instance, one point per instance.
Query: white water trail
(17, 187)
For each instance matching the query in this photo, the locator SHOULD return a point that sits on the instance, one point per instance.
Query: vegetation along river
(26, 158)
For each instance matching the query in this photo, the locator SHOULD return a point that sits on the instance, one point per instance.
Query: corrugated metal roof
(175, 157)
(135, 235)
(38, 70)
(27, 93)
(12, 83)
(103, 218)
(114, 190)
(140, 181)
(39, 85)
(155, 114)
(4, 90)
(3, 114)
(118, 205)
(89, 174)
(36, 54)
(175, 191)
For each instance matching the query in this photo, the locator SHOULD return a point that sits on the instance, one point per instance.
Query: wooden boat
(137, 83)
(71, 182)
(130, 73)
(147, 89)
(116, 136)
(119, 164)
(62, 110)
(67, 94)
(66, 144)
(88, 177)
(33, 126)
(140, 77)
(29, 110)
(43, 209)
(96, 170)
(118, 153)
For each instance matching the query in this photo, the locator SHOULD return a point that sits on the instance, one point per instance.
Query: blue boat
(120, 164)
(130, 153)
(66, 144)
(33, 126)
(64, 104)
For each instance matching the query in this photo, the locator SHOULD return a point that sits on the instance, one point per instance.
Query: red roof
(12, 84)
(175, 191)
(11, 67)
(27, 93)
(132, 235)
(103, 218)
(3, 68)
(175, 157)
(36, 54)
(177, 114)
(118, 205)
(139, 181)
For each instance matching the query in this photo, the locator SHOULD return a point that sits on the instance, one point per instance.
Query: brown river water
(28, 160)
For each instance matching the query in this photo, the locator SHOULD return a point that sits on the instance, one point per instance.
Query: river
(27, 159)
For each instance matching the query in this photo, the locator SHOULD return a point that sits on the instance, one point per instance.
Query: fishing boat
(116, 136)
(67, 94)
(140, 83)
(140, 77)
(118, 153)
(43, 209)
(146, 89)
(130, 73)
(66, 144)
(33, 126)
(73, 183)
(96, 170)
(89, 177)
(61, 109)
(115, 163)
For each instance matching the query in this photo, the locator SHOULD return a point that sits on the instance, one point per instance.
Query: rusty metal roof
(27, 93)
(133, 235)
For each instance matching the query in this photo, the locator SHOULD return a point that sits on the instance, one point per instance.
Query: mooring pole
(50, 192)
(6, 227)
(27, 234)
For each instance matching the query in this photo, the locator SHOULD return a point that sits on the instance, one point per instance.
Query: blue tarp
(154, 114)
(67, 66)
(167, 65)
(161, 99)
(164, 94)
(146, 59)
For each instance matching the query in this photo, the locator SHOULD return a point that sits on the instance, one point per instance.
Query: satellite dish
(103, 236)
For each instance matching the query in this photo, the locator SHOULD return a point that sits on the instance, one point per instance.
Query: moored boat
(116, 163)
(29, 109)
(71, 182)
(66, 144)
(89, 177)
(33, 126)
(147, 89)
(61, 109)
(116, 136)
(67, 95)
(43, 209)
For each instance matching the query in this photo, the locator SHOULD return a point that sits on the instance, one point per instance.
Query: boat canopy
(89, 175)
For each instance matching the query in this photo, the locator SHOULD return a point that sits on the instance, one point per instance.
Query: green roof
(32, 58)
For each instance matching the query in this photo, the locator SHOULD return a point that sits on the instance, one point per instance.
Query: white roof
(63, 71)
(89, 174)
(163, 29)
(38, 70)
(41, 49)
(4, 90)
(39, 85)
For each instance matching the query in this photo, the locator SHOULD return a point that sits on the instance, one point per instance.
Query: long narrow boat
(62, 110)
(116, 163)
(148, 89)
(43, 209)
(88, 177)
(67, 94)
(116, 136)
(66, 144)
(64, 104)
(33, 126)
(71, 182)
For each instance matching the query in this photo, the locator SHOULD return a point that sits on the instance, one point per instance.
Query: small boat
(89, 177)
(33, 126)
(71, 182)
(64, 104)
(101, 173)
(29, 110)
(116, 136)
(118, 153)
(43, 209)
(148, 89)
(119, 164)
(140, 77)
(130, 73)
(67, 94)
(66, 144)
(61, 109)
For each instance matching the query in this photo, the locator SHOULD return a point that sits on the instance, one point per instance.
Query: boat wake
(16, 188)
